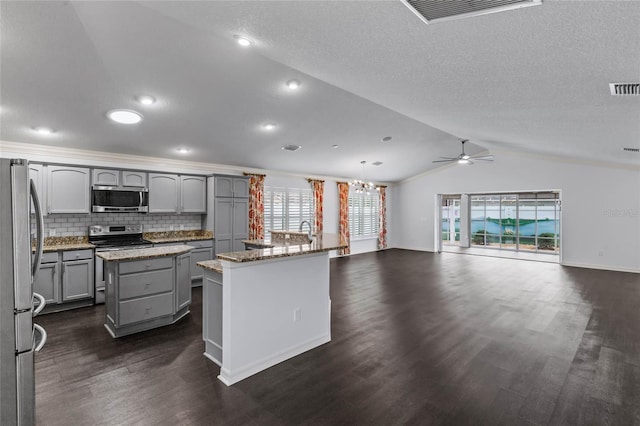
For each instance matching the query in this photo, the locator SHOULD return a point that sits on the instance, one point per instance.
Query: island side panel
(212, 315)
(273, 310)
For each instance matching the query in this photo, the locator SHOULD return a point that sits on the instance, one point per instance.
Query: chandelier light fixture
(360, 186)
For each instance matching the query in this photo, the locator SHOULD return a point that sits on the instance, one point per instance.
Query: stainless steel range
(110, 238)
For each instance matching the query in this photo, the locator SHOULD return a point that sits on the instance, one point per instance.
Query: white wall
(600, 205)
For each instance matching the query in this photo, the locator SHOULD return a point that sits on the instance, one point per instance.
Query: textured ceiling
(534, 80)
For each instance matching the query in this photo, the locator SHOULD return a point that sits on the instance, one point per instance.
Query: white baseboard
(228, 378)
(601, 267)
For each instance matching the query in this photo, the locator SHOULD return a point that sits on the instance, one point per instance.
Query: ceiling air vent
(624, 89)
(631, 149)
(377, 163)
(291, 147)
(433, 11)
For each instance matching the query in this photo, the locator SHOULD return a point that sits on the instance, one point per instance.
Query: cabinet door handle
(64, 270)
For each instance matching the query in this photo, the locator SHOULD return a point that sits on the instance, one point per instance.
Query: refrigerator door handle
(39, 232)
(42, 304)
(43, 339)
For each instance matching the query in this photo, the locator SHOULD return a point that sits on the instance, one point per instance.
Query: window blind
(364, 214)
(285, 208)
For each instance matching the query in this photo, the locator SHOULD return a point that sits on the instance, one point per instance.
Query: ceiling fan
(464, 158)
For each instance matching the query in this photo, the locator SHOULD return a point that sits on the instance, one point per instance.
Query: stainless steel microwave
(119, 199)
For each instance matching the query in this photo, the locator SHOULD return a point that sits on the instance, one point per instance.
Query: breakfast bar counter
(262, 307)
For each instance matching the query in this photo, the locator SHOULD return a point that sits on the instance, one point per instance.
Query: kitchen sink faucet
(310, 228)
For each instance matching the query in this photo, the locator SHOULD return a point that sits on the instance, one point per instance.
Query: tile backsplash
(68, 225)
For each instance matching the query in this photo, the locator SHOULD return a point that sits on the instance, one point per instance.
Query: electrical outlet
(170, 227)
(182, 227)
(52, 232)
(297, 314)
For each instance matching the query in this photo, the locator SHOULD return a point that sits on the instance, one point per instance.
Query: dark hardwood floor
(418, 338)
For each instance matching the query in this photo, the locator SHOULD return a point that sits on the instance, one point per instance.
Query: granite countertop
(52, 244)
(260, 243)
(177, 236)
(214, 265)
(322, 243)
(144, 253)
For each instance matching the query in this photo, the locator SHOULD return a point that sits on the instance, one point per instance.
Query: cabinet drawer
(145, 308)
(145, 283)
(77, 255)
(146, 265)
(200, 244)
(51, 257)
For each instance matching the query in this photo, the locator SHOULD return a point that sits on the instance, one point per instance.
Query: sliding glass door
(520, 222)
(450, 219)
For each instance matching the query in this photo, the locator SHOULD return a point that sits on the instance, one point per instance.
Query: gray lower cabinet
(47, 282)
(77, 275)
(231, 224)
(66, 279)
(203, 250)
(146, 293)
(183, 284)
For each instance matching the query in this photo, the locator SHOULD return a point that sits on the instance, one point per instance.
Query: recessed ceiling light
(386, 139)
(335, 146)
(243, 41)
(44, 131)
(183, 150)
(124, 116)
(146, 100)
(291, 147)
(269, 126)
(293, 84)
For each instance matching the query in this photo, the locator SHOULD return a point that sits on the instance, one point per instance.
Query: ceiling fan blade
(483, 157)
(449, 158)
(443, 161)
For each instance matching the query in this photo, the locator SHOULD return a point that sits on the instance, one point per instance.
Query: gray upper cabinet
(36, 173)
(193, 194)
(241, 187)
(108, 177)
(68, 189)
(130, 178)
(232, 186)
(177, 194)
(230, 214)
(163, 193)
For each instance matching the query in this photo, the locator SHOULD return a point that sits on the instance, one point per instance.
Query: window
(285, 208)
(522, 222)
(364, 215)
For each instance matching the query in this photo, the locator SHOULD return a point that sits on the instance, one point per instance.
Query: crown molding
(82, 157)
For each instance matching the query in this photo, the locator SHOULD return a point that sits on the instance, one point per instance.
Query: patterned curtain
(382, 236)
(256, 206)
(318, 199)
(343, 193)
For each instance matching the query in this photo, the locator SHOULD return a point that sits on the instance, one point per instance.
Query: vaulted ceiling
(534, 80)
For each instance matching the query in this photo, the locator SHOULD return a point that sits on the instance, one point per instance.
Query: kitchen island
(262, 307)
(146, 288)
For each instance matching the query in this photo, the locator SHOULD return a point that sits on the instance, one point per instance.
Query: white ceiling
(534, 79)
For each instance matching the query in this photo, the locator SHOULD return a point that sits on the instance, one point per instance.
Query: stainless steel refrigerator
(20, 337)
